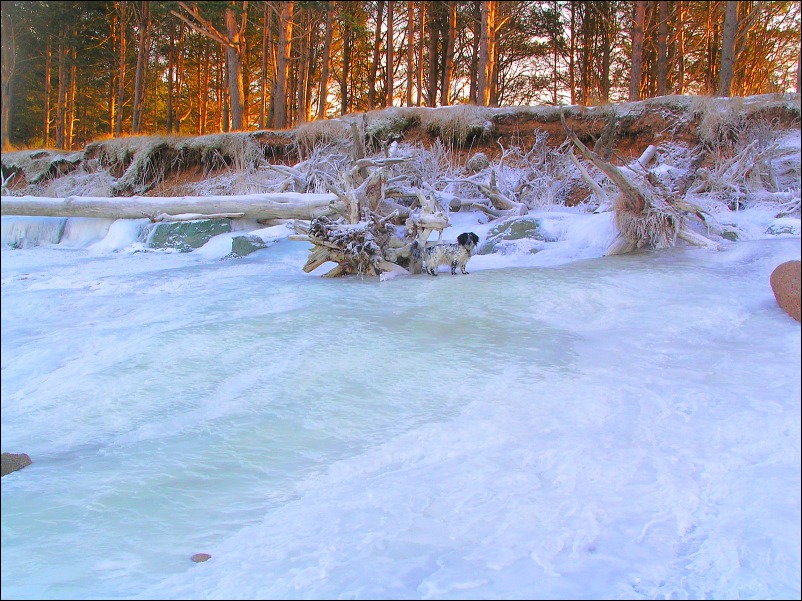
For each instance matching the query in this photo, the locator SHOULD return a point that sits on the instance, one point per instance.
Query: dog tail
(415, 250)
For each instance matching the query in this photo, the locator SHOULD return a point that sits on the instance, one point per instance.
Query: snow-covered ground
(555, 425)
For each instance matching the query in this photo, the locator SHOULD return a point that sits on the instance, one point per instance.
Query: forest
(75, 72)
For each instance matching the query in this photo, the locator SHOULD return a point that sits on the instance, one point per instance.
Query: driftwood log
(286, 205)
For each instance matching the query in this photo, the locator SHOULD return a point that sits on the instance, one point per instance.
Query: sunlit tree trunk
(422, 11)
(234, 50)
(728, 48)
(607, 33)
(9, 62)
(225, 115)
(434, 38)
(410, 49)
(374, 64)
(302, 72)
(326, 59)
(141, 64)
(347, 33)
(46, 107)
(389, 79)
(61, 103)
(204, 89)
(69, 132)
(572, 54)
(170, 80)
(280, 94)
(448, 63)
(680, 87)
(637, 51)
(711, 42)
(263, 75)
(662, 48)
(121, 63)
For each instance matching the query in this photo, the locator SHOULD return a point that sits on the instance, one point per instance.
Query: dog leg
(453, 268)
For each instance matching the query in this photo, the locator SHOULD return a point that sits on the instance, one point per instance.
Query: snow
(555, 425)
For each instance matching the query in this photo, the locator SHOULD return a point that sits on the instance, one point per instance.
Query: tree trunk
(326, 59)
(263, 77)
(170, 79)
(606, 42)
(204, 90)
(347, 33)
(9, 61)
(711, 40)
(123, 44)
(419, 96)
(141, 64)
(180, 79)
(62, 89)
(474, 65)
(234, 48)
(282, 65)
(410, 48)
(301, 72)
(374, 64)
(70, 124)
(46, 107)
(448, 63)
(487, 49)
(728, 48)
(225, 115)
(434, 33)
(572, 54)
(680, 88)
(389, 85)
(662, 48)
(637, 50)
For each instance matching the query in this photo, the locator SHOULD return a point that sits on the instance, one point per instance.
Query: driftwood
(364, 248)
(501, 205)
(646, 212)
(288, 205)
(601, 195)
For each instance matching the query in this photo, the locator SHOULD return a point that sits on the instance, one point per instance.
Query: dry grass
(460, 125)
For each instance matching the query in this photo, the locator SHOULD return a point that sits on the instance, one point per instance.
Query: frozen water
(553, 425)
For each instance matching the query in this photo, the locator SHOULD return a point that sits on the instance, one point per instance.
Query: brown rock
(785, 283)
(199, 557)
(11, 462)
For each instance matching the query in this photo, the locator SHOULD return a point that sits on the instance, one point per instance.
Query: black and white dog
(454, 254)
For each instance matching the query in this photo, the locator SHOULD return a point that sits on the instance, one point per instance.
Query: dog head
(469, 240)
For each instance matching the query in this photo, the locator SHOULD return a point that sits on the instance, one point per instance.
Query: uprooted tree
(647, 211)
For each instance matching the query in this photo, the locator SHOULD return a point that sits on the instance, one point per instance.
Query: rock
(785, 283)
(200, 557)
(186, 236)
(242, 246)
(12, 462)
(515, 235)
(477, 162)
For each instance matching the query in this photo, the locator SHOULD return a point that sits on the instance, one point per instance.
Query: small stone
(201, 557)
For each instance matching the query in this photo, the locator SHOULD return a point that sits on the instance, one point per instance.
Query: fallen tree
(286, 205)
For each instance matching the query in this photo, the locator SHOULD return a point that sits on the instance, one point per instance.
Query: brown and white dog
(455, 254)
